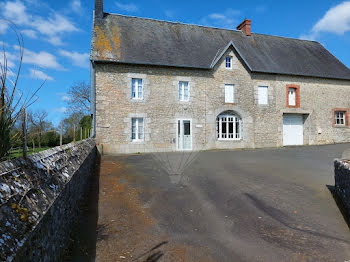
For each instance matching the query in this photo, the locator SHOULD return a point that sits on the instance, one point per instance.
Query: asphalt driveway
(250, 205)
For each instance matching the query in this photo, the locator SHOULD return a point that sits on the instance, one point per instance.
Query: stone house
(167, 86)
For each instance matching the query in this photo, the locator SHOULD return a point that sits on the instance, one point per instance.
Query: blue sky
(57, 33)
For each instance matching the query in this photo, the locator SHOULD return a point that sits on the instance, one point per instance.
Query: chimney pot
(98, 8)
(245, 27)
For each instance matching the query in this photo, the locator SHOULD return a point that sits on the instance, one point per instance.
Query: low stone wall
(40, 201)
(342, 185)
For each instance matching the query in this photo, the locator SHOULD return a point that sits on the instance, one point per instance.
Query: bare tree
(12, 99)
(79, 95)
(38, 121)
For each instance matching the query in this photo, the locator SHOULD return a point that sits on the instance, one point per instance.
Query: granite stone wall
(40, 201)
(342, 185)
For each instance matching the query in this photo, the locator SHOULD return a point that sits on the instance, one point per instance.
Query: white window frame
(229, 118)
(137, 88)
(227, 98)
(340, 116)
(138, 121)
(261, 99)
(292, 95)
(181, 91)
(228, 62)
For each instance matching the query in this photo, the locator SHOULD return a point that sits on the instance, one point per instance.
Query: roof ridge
(173, 22)
(285, 37)
(205, 26)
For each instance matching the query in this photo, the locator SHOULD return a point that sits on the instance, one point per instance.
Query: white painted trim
(177, 132)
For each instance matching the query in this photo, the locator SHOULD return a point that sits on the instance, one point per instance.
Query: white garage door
(292, 130)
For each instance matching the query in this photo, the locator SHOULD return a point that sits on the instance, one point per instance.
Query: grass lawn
(18, 152)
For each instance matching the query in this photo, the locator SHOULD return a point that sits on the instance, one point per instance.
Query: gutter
(93, 87)
(93, 97)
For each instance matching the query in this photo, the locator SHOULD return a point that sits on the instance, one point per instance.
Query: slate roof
(126, 39)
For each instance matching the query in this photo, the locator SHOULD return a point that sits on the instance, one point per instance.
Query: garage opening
(293, 129)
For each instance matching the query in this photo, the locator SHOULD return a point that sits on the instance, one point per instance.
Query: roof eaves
(147, 63)
(302, 75)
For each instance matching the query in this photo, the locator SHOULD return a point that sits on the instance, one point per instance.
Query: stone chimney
(245, 27)
(99, 9)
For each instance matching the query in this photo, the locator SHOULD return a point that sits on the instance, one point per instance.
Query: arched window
(228, 126)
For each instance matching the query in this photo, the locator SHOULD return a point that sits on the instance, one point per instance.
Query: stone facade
(160, 108)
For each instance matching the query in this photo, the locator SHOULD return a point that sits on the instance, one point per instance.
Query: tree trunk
(40, 139)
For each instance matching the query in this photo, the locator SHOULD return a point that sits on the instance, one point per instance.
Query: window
(229, 94)
(339, 118)
(137, 129)
(184, 91)
(228, 126)
(262, 95)
(228, 62)
(291, 96)
(136, 88)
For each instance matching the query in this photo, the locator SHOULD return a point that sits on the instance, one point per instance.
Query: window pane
(228, 62)
(140, 128)
(133, 88)
(140, 88)
(187, 128)
(185, 84)
(180, 91)
(223, 129)
(238, 135)
(133, 128)
(291, 96)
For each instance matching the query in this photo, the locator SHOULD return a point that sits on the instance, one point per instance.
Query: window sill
(138, 141)
(341, 126)
(136, 99)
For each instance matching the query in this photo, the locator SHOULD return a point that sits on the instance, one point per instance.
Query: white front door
(293, 130)
(184, 134)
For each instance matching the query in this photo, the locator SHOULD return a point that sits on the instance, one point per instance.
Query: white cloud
(130, 7)
(42, 59)
(3, 26)
(30, 33)
(37, 74)
(10, 57)
(62, 109)
(78, 59)
(228, 19)
(65, 98)
(76, 6)
(52, 27)
(336, 21)
(3, 44)
(15, 11)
